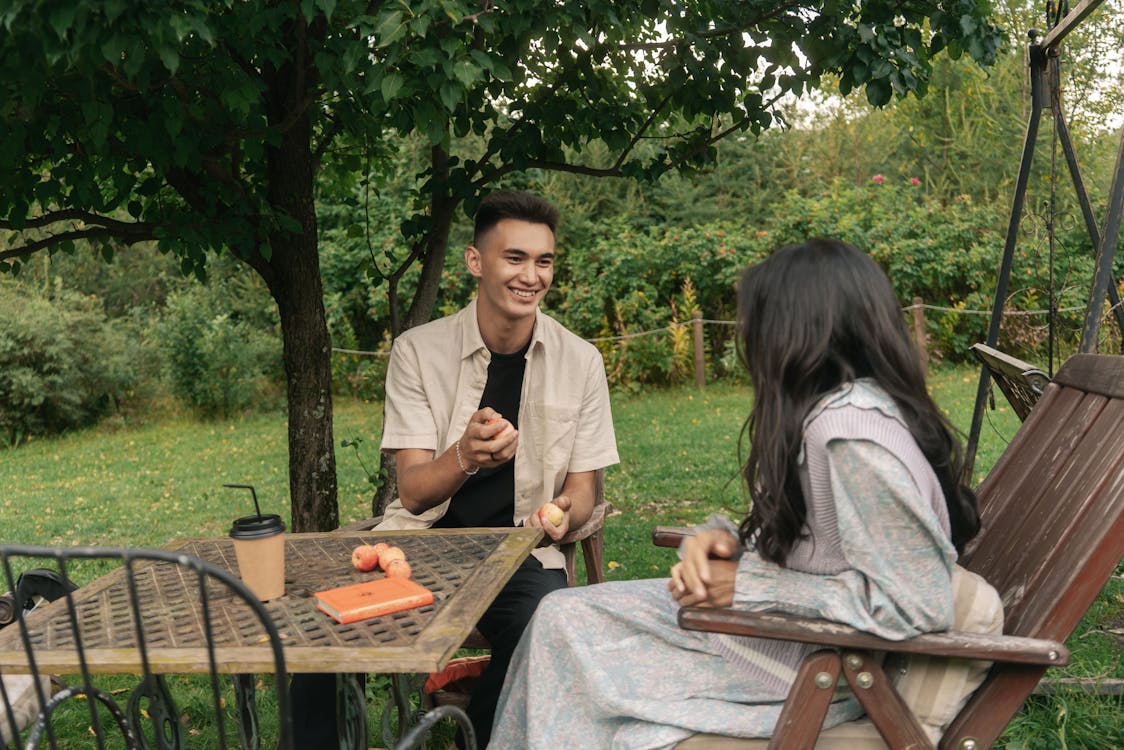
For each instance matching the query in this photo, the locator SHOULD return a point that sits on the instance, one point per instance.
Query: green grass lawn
(146, 482)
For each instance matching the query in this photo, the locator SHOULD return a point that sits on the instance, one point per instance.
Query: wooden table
(465, 569)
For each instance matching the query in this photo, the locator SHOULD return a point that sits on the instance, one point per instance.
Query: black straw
(249, 487)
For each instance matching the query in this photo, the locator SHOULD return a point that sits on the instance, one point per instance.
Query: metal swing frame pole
(1037, 65)
(1106, 252)
(1087, 207)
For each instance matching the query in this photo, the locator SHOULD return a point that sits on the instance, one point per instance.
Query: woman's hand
(699, 581)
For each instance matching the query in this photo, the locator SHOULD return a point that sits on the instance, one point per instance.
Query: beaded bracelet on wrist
(460, 461)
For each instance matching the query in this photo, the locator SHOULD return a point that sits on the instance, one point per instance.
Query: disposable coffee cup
(259, 546)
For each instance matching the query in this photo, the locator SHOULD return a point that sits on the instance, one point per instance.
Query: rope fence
(915, 307)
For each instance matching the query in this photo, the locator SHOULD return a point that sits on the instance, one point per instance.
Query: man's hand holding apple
(553, 518)
(489, 440)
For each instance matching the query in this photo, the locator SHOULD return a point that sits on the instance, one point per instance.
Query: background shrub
(220, 346)
(62, 364)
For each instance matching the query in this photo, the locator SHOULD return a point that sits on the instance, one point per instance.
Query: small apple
(398, 569)
(365, 557)
(380, 546)
(551, 512)
(389, 555)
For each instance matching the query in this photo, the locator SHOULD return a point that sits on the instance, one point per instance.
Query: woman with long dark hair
(857, 514)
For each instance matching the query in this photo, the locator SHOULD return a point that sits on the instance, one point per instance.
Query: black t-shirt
(488, 497)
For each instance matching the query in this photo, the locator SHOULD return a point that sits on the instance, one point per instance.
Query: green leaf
(390, 29)
(878, 92)
(450, 94)
(149, 187)
(170, 56)
(427, 57)
(466, 73)
(500, 70)
(111, 50)
(62, 18)
(113, 9)
(135, 209)
(977, 50)
(391, 85)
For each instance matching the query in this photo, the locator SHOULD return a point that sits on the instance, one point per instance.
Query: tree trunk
(442, 208)
(292, 273)
(308, 373)
(297, 288)
(389, 488)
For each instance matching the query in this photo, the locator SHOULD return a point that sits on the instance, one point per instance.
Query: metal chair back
(145, 709)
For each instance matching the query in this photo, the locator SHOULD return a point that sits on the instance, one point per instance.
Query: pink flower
(914, 181)
(878, 178)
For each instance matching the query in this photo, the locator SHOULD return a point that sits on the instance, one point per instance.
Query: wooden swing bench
(1052, 511)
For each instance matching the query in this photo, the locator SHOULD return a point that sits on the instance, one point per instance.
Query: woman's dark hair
(513, 204)
(810, 318)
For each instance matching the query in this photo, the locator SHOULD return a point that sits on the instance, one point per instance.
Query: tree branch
(76, 234)
(640, 133)
(74, 214)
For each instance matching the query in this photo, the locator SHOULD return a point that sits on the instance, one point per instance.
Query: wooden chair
(1052, 510)
(224, 710)
(1020, 382)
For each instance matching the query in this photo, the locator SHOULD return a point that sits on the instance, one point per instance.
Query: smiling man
(496, 410)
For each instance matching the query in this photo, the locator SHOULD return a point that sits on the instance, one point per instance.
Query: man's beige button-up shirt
(434, 382)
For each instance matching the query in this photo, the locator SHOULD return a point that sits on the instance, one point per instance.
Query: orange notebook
(382, 596)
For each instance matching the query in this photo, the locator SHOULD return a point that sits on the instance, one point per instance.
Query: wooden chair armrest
(670, 536)
(593, 525)
(1001, 648)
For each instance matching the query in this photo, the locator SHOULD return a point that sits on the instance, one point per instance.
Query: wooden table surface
(465, 569)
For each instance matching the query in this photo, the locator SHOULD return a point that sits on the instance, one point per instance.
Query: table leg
(152, 697)
(402, 689)
(245, 698)
(351, 703)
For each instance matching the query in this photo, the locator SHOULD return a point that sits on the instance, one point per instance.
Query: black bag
(32, 588)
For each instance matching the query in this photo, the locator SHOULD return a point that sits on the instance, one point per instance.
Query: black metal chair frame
(151, 695)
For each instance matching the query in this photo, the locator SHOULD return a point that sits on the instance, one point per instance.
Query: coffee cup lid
(256, 527)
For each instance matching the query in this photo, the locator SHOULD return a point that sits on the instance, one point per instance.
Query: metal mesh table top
(464, 569)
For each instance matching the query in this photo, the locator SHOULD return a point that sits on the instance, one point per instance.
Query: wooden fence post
(919, 335)
(700, 359)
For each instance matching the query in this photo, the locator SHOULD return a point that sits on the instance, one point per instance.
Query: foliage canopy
(205, 126)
